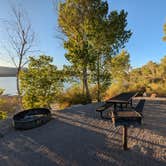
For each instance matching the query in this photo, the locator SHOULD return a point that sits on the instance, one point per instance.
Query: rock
(153, 95)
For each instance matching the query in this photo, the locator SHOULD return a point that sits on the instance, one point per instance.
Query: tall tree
(73, 16)
(21, 40)
(93, 34)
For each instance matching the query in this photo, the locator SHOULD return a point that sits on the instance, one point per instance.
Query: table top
(122, 98)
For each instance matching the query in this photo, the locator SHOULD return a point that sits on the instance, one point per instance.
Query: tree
(164, 38)
(21, 40)
(73, 16)
(116, 35)
(93, 34)
(150, 71)
(162, 68)
(40, 83)
(120, 66)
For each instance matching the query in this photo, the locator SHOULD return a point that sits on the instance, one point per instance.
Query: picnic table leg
(115, 107)
(124, 138)
(101, 114)
(121, 107)
(131, 103)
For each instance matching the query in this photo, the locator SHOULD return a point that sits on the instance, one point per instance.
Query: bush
(72, 96)
(159, 89)
(1, 91)
(114, 89)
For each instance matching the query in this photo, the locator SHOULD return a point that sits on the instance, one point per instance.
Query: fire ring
(31, 118)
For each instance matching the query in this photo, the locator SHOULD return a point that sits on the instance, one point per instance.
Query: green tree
(92, 35)
(73, 16)
(150, 71)
(120, 66)
(162, 68)
(40, 83)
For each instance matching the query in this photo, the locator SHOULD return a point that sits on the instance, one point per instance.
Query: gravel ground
(78, 137)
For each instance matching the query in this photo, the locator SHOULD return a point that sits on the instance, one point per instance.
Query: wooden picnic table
(123, 98)
(126, 118)
(129, 117)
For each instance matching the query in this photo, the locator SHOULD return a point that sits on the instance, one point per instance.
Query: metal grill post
(124, 137)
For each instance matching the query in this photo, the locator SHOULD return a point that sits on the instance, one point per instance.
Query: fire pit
(31, 118)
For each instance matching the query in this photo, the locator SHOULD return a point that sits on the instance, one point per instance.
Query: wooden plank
(128, 114)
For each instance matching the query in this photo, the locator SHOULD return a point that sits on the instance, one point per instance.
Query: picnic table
(121, 99)
(127, 118)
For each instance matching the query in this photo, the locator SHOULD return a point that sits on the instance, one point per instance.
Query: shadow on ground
(77, 136)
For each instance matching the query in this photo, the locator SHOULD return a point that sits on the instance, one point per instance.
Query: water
(9, 84)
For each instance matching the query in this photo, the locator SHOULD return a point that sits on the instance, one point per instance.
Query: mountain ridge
(8, 71)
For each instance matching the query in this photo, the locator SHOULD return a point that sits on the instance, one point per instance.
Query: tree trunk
(18, 88)
(83, 87)
(21, 54)
(85, 84)
(98, 79)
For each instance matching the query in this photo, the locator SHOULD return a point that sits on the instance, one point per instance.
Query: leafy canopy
(93, 34)
(40, 83)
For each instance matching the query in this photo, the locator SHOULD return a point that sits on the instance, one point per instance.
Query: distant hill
(8, 71)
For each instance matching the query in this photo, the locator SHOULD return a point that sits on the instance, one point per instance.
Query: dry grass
(9, 104)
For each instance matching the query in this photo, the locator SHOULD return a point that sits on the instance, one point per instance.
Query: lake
(9, 84)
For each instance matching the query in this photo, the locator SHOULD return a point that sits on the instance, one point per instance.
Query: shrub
(114, 89)
(1, 91)
(72, 96)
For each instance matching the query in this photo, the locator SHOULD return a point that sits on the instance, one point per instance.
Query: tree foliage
(151, 76)
(40, 83)
(120, 66)
(93, 35)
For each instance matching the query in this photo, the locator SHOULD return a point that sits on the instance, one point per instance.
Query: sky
(145, 19)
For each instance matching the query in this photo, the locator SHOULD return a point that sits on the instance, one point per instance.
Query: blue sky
(145, 19)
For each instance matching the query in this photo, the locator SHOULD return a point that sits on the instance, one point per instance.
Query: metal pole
(124, 138)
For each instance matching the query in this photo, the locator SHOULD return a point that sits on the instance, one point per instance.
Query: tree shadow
(77, 137)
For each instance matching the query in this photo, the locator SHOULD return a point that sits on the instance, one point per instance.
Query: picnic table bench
(103, 108)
